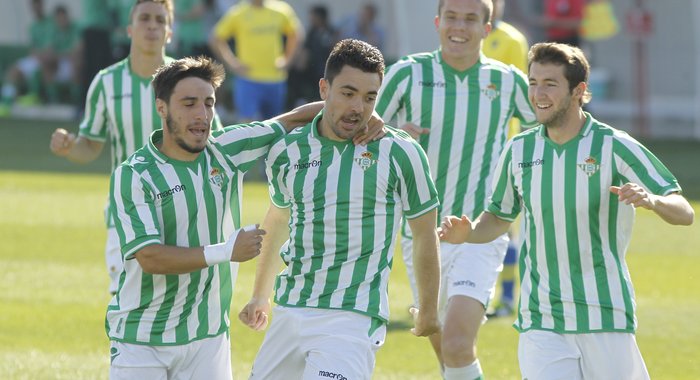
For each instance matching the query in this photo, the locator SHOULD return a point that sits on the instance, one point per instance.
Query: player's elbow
(149, 262)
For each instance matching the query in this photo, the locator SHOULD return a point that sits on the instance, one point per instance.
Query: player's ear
(323, 88)
(162, 108)
(579, 90)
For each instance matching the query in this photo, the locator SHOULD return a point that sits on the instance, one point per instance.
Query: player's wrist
(217, 253)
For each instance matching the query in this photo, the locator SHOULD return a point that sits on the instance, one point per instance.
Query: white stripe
(437, 105)
(127, 112)
(559, 216)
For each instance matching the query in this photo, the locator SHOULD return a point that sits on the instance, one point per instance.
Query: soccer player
(457, 103)
(177, 204)
(507, 44)
(339, 206)
(578, 182)
(120, 106)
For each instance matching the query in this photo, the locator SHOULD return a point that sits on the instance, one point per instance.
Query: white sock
(470, 372)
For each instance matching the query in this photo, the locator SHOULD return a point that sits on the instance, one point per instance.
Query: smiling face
(187, 118)
(462, 25)
(150, 27)
(550, 96)
(349, 102)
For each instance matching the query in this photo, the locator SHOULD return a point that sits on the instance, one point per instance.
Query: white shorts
(64, 72)
(466, 269)
(308, 343)
(208, 358)
(546, 355)
(113, 258)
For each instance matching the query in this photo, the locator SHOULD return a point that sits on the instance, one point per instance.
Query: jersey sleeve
(277, 164)
(95, 124)
(521, 103)
(418, 192)
(504, 202)
(132, 205)
(635, 163)
(391, 94)
(245, 143)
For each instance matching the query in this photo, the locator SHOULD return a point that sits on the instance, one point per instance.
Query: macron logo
(332, 375)
(306, 165)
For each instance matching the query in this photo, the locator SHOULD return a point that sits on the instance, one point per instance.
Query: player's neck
(144, 64)
(568, 128)
(461, 63)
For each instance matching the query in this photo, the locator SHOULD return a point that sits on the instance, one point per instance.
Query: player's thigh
(545, 355)
(341, 345)
(463, 317)
(280, 356)
(208, 358)
(248, 96)
(611, 356)
(135, 361)
(472, 269)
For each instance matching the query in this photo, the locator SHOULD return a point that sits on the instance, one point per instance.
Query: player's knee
(458, 349)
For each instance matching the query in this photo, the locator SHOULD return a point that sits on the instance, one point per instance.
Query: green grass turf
(53, 291)
(53, 285)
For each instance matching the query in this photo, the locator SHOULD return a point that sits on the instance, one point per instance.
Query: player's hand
(281, 63)
(455, 230)
(424, 325)
(62, 142)
(255, 314)
(635, 195)
(248, 244)
(239, 68)
(373, 131)
(414, 130)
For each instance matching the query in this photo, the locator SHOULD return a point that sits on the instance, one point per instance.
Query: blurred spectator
(309, 65)
(562, 21)
(26, 73)
(261, 59)
(364, 26)
(63, 61)
(96, 46)
(190, 31)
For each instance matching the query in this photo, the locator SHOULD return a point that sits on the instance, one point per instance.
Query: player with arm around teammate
(339, 206)
(577, 182)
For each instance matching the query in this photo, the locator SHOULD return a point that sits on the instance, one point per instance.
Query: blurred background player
(507, 44)
(266, 34)
(457, 103)
(364, 26)
(121, 107)
(561, 21)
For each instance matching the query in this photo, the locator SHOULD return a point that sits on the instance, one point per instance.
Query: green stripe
(390, 88)
(136, 122)
(446, 140)
(527, 181)
(118, 140)
(491, 140)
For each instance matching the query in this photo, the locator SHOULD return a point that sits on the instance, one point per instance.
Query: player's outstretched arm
(426, 262)
(76, 149)
(672, 208)
(243, 244)
(484, 229)
(255, 313)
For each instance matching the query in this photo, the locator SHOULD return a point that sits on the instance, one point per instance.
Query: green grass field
(53, 288)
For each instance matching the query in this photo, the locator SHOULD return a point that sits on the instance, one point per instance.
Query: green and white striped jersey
(345, 202)
(467, 113)
(573, 274)
(159, 200)
(120, 104)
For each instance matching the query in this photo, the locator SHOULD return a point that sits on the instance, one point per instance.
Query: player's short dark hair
(168, 75)
(354, 53)
(168, 4)
(576, 67)
(487, 5)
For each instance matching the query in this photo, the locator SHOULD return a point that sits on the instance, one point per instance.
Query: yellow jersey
(258, 33)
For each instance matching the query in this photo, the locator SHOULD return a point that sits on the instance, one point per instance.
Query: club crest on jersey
(590, 166)
(216, 177)
(491, 91)
(365, 160)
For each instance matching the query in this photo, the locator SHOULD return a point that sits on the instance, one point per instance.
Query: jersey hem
(129, 341)
(523, 330)
(379, 317)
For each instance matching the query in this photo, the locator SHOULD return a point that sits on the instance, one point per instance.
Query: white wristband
(222, 252)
